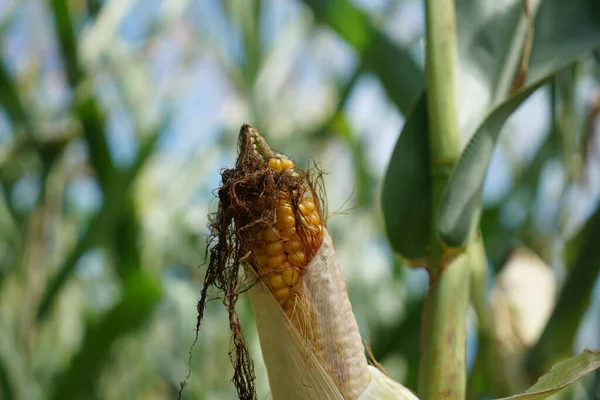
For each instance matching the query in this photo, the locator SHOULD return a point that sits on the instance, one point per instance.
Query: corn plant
(271, 219)
(275, 243)
(432, 195)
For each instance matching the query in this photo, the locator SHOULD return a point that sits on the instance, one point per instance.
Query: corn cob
(271, 222)
(293, 260)
(279, 252)
(286, 243)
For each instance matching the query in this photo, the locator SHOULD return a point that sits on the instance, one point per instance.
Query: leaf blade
(406, 194)
(556, 22)
(460, 206)
(574, 28)
(561, 375)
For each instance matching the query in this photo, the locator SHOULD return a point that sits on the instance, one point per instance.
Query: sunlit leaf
(490, 47)
(564, 32)
(561, 375)
(491, 37)
(489, 50)
(460, 207)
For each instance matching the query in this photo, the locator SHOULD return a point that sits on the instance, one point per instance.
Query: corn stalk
(443, 333)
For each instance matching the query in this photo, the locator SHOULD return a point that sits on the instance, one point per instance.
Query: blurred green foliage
(115, 117)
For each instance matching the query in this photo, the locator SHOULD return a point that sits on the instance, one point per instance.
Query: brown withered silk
(248, 197)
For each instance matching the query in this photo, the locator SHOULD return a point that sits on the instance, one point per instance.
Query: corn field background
(116, 116)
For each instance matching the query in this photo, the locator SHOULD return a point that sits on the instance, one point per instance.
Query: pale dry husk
(323, 358)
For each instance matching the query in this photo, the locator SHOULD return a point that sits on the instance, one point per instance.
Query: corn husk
(318, 352)
(294, 372)
(383, 387)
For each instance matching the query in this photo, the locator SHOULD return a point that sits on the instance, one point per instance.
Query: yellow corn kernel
(284, 209)
(304, 210)
(293, 245)
(272, 234)
(314, 219)
(276, 261)
(297, 258)
(287, 164)
(288, 233)
(286, 221)
(260, 247)
(262, 260)
(290, 277)
(317, 230)
(274, 248)
(315, 236)
(276, 281)
(285, 266)
(308, 203)
(288, 308)
(275, 163)
(282, 294)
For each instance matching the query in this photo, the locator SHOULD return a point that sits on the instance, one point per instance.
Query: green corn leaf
(142, 292)
(564, 32)
(561, 375)
(66, 40)
(490, 39)
(406, 196)
(490, 55)
(461, 203)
